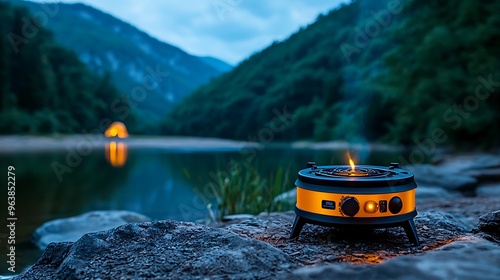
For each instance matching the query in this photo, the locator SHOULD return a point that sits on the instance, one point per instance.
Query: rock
(71, 229)
(466, 209)
(490, 223)
(485, 175)
(160, 250)
(468, 258)
(424, 192)
(288, 197)
(488, 190)
(442, 176)
(460, 173)
(445, 221)
(466, 163)
(237, 217)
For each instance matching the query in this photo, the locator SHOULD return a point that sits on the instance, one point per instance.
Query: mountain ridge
(109, 44)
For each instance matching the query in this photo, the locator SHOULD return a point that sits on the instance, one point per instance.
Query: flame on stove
(353, 167)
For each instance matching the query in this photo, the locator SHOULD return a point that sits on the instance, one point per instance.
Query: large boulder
(489, 190)
(71, 229)
(485, 175)
(490, 223)
(160, 250)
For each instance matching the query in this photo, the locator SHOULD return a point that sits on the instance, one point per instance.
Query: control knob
(349, 206)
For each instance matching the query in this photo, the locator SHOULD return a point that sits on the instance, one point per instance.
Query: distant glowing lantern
(116, 129)
(116, 153)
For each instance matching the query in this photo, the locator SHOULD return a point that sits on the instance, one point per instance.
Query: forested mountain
(45, 88)
(107, 44)
(217, 64)
(372, 69)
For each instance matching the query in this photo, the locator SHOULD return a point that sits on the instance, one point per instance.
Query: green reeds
(243, 190)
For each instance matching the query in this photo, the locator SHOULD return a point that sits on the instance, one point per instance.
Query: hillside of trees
(107, 44)
(372, 70)
(45, 88)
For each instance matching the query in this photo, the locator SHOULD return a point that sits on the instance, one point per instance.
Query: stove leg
(297, 226)
(411, 231)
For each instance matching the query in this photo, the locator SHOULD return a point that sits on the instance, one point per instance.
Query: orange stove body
(331, 196)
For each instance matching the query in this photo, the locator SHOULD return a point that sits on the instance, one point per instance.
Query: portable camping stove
(342, 195)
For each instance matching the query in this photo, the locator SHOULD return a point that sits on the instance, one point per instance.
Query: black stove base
(405, 221)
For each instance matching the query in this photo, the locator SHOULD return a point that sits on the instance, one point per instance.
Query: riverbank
(29, 143)
(17, 144)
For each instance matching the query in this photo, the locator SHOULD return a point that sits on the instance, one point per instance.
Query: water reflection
(116, 153)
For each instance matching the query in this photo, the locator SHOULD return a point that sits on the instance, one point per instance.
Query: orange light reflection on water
(116, 153)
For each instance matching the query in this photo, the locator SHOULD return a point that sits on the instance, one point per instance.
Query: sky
(230, 30)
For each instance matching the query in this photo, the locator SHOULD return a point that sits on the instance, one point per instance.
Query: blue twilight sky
(227, 29)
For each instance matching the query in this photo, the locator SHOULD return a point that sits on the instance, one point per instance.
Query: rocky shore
(458, 225)
(451, 234)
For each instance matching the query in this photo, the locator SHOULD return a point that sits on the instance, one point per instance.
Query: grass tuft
(243, 190)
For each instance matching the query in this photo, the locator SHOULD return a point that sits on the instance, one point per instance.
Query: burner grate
(345, 171)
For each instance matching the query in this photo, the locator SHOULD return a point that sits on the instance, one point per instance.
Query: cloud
(227, 29)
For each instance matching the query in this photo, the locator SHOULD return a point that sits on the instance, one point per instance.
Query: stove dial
(395, 205)
(349, 206)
